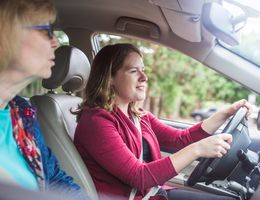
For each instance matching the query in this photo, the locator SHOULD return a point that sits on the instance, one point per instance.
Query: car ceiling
(173, 18)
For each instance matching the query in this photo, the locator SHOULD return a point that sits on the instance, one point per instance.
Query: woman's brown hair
(99, 92)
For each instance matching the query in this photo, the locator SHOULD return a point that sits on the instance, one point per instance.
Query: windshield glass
(249, 46)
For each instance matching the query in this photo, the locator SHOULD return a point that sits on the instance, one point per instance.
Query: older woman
(120, 144)
(27, 48)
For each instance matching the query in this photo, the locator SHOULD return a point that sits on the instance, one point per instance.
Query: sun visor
(183, 17)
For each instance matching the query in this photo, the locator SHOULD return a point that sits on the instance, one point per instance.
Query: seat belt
(153, 190)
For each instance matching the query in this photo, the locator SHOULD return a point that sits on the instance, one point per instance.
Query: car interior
(188, 26)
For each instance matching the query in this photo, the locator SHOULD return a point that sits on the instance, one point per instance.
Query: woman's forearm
(212, 124)
(184, 157)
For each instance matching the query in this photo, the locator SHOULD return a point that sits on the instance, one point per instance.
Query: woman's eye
(133, 71)
(44, 32)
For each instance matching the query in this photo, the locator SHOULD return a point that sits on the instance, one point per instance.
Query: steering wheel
(210, 168)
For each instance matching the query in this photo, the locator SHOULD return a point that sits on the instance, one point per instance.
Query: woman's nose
(143, 77)
(55, 42)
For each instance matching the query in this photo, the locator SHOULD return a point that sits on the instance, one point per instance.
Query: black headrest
(71, 70)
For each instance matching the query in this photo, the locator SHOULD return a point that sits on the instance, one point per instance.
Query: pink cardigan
(110, 146)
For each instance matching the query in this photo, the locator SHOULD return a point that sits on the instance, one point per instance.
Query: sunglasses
(44, 27)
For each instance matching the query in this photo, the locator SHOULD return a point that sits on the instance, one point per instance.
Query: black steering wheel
(210, 169)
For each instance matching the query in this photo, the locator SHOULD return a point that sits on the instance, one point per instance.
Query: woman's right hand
(213, 146)
(210, 147)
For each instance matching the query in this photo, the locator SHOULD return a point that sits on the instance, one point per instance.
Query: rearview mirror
(219, 22)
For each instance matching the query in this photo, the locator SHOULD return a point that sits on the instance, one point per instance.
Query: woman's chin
(45, 76)
(141, 98)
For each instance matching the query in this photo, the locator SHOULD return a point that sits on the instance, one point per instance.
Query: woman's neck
(11, 83)
(122, 105)
(124, 109)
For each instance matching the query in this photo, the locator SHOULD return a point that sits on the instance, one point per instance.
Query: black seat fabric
(57, 123)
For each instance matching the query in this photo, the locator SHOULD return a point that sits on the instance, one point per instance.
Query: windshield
(249, 46)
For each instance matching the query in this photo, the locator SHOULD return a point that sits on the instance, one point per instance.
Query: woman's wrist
(195, 148)
(185, 156)
(211, 124)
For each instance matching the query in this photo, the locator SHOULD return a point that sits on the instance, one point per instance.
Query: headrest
(71, 70)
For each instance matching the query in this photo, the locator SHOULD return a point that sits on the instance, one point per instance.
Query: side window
(62, 37)
(35, 88)
(182, 89)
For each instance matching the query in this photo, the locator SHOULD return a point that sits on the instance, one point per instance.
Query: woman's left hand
(231, 110)
(211, 124)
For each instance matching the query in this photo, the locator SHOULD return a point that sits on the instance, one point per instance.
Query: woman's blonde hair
(16, 15)
(99, 92)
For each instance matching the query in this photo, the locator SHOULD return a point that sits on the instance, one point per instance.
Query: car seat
(56, 121)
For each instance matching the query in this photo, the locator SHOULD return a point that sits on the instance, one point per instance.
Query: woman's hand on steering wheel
(213, 146)
(231, 110)
(212, 124)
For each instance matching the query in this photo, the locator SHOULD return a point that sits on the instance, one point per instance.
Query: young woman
(27, 53)
(119, 143)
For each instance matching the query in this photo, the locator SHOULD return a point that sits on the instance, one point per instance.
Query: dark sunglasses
(44, 27)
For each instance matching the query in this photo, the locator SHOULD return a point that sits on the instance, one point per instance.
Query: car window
(249, 44)
(62, 37)
(182, 89)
